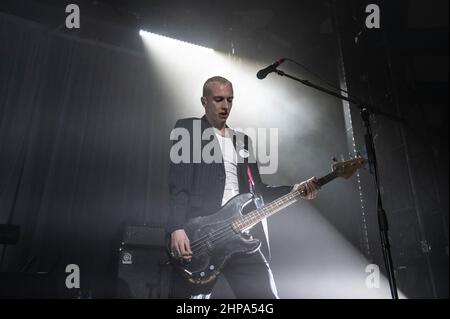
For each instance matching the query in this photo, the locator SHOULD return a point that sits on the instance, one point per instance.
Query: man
(201, 188)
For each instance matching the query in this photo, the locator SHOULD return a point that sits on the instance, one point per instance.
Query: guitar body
(214, 240)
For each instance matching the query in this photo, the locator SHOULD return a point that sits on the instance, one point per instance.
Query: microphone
(271, 68)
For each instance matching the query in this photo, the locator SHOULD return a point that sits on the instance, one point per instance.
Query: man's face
(218, 103)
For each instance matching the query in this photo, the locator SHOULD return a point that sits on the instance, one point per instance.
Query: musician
(201, 188)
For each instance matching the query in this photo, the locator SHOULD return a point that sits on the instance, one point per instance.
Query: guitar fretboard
(249, 220)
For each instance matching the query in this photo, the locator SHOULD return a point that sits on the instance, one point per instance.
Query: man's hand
(311, 187)
(180, 245)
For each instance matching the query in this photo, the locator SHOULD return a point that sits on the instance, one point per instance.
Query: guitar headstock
(347, 168)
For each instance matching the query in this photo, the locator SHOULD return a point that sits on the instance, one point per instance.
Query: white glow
(321, 263)
(183, 68)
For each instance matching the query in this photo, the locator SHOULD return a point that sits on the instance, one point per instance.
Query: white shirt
(230, 163)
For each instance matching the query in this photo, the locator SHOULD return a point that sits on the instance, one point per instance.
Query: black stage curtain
(83, 150)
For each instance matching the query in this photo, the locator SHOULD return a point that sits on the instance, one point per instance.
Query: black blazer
(196, 189)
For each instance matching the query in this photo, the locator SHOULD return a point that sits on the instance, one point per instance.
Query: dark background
(84, 127)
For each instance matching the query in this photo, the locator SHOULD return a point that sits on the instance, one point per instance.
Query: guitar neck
(249, 220)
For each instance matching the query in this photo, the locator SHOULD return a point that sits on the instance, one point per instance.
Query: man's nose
(226, 104)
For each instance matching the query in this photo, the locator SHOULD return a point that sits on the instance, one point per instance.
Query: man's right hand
(180, 245)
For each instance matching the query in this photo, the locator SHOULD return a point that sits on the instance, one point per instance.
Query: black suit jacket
(196, 189)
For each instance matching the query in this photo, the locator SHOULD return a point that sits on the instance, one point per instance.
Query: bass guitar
(215, 238)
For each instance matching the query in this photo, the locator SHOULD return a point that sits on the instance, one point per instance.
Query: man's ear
(203, 100)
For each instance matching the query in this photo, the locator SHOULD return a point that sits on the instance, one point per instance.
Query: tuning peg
(342, 157)
(334, 159)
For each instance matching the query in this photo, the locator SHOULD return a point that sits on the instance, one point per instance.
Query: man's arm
(271, 193)
(180, 183)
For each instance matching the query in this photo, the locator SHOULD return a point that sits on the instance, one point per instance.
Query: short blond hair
(214, 79)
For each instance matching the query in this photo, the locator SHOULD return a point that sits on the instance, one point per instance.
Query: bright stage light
(163, 40)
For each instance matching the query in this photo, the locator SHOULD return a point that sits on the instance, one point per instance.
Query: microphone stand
(366, 111)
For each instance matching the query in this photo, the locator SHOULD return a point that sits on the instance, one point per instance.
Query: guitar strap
(258, 200)
(257, 197)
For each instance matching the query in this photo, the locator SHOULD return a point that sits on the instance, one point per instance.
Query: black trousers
(249, 276)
